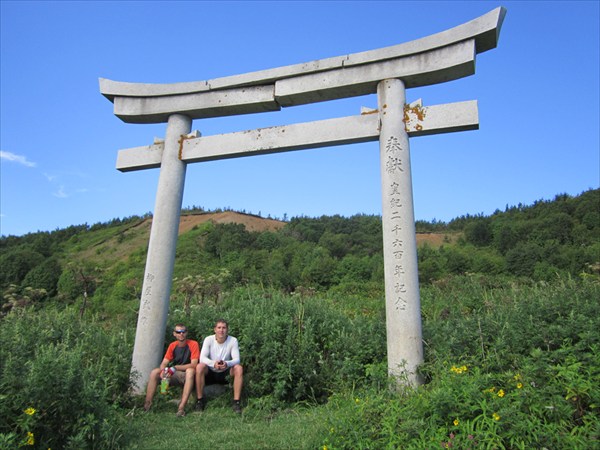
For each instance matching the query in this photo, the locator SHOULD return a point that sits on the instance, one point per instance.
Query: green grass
(218, 426)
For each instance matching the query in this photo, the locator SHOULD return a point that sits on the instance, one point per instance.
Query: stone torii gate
(388, 72)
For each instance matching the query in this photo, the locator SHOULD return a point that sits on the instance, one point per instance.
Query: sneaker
(237, 408)
(200, 404)
(180, 413)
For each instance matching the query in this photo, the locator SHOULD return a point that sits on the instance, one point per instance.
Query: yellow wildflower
(456, 422)
(30, 439)
(458, 370)
(519, 385)
(356, 400)
(29, 411)
(501, 393)
(495, 416)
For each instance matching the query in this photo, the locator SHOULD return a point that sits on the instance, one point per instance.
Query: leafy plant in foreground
(72, 374)
(524, 376)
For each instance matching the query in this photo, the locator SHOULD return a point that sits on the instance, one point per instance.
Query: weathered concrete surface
(434, 59)
(420, 121)
(199, 105)
(402, 298)
(485, 30)
(156, 289)
(431, 67)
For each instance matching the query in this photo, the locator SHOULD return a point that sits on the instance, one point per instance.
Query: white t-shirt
(212, 352)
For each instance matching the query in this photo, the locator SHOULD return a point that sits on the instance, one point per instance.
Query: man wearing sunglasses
(178, 365)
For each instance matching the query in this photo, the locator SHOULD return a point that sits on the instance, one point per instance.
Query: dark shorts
(213, 377)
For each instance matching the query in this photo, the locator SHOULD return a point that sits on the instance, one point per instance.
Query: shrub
(295, 348)
(521, 260)
(73, 374)
(511, 366)
(16, 263)
(44, 276)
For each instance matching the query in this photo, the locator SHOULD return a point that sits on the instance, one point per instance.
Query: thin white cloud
(8, 156)
(60, 193)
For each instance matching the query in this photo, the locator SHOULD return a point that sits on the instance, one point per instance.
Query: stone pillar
(403, 306)
(156, 289)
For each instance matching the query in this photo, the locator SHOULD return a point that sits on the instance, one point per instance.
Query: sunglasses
(180, 331)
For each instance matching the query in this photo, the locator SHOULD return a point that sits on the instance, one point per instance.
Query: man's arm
(235, 353)
(164, 364)
(205, 353)
(183, 367)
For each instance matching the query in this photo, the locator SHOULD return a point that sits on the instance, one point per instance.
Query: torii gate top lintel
(453, 54)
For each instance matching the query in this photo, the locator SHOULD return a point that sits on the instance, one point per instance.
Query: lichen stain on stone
(181, 140)
(417, 111)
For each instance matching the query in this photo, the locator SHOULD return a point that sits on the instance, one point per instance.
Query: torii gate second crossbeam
(388, 72)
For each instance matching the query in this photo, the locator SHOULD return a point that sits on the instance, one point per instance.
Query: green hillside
(510, 328)
(217, 253)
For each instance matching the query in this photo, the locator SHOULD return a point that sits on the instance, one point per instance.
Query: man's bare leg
(151, 388)
(187, 390)
(201, 371)
(237, 372)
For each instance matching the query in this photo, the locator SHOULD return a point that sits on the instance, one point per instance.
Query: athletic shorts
(178, 378)
(213, 377)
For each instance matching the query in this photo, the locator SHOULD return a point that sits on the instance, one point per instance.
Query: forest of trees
(539, 241)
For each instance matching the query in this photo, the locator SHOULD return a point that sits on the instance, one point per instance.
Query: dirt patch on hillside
(436, 239)
(252, 223)
(256, 223)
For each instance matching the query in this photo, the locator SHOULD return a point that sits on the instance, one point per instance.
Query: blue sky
(538, 107)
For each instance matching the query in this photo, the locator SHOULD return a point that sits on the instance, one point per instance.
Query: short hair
(179, 325)
(222, 321)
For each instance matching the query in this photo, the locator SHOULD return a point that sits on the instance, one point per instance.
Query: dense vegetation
(510, 318)
(344, 254)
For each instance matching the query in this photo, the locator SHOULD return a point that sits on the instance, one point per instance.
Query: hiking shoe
(237, 408)
(200, 404)
(180, 413)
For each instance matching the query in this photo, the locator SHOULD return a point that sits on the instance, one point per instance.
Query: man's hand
(220, 365)
(169, 372)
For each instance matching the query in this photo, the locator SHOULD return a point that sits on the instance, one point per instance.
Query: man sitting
(178, 365)
(219, 357)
